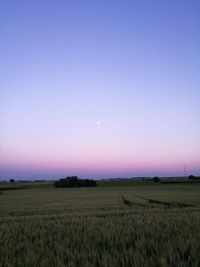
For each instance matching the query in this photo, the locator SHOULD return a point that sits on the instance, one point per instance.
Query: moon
(98, 122)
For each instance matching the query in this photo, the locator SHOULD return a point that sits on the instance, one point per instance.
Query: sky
(99, 88)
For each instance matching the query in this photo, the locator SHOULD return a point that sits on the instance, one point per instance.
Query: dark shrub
(191, 177)
(156, 179)
(12, 180)
(93, 183)
(56, 183)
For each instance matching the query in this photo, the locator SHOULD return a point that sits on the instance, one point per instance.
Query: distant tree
(73, 181)
(12, 180)
(156, 179)
(56, 183)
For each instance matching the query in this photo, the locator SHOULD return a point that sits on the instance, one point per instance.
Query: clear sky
(99, 88)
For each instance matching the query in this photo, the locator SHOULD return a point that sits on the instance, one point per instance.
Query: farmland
(138, 224)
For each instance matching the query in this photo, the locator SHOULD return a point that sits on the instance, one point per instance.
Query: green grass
(124, 182)
(155, 225)
(25, 185)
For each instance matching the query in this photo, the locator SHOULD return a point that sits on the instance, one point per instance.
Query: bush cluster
(192, 177)
(73, 181)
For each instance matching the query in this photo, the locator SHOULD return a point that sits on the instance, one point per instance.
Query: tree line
(74, 181)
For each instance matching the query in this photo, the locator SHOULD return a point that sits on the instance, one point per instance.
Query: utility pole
(184, 170)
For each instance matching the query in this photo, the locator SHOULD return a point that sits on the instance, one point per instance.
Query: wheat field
(118, 226)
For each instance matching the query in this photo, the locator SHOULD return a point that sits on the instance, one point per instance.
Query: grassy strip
(181, 182)
(114, 183)
(7, 188)
(28, 185)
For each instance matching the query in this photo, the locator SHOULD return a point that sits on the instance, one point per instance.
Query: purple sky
(99, 88)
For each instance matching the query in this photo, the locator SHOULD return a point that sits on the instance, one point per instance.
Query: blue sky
(132, 65)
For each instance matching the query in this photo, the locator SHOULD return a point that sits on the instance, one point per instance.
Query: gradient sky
(133, 66)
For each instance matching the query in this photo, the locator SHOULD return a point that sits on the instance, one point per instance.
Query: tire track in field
(128, 202)
(154, 201)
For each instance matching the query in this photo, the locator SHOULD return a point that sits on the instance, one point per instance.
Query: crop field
(107, 226)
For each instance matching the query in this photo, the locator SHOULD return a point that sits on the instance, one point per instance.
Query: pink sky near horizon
(102, 164)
